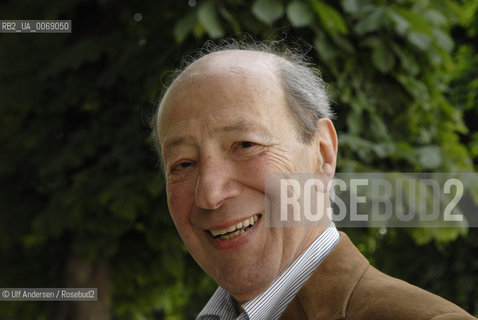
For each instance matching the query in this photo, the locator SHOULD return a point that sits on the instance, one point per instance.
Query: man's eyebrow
(246, 126)
(177, 141)
(240, 126)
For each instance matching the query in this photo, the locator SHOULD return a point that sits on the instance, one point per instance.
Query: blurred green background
(81, 195)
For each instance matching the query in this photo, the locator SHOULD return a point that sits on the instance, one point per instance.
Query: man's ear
(326, 140)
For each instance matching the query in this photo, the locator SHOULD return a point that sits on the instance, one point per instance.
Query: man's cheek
(276, 161)
(180, 202)
(255, 172)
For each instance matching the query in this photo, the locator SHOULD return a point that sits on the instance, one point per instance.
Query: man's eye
(245, 144)
(181, 166)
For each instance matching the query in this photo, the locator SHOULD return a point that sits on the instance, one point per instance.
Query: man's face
(223, 125)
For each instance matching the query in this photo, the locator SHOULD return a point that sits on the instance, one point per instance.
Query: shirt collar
(272, 302)
(221, 306)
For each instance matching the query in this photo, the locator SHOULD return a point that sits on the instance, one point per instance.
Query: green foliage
(267, 11)
(209, 19)
(78, 173)
(299, 14)
(330, 19)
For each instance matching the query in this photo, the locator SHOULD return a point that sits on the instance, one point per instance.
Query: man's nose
(215, 184)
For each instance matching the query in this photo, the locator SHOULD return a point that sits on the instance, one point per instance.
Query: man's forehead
(235, 64)
(219, 70)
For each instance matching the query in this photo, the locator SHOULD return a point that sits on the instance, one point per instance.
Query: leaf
(405, 151)
(230, 19)
(406, 60)
(415, 87)
(458, 11)
(184, 26)
(443, 40)
(351, 6)
(423, 236)
(370, 23)
(199, 30)
(267, 11)
(417, 22)
(429, 156)
(379, 128)
(331, 19)
(420, 40)
(435, 17)
(383, 58)
(354, 122)
(326, 51)
(343, 43)
(401, 24)
(299, 14)
(371, 42)
(208, 17)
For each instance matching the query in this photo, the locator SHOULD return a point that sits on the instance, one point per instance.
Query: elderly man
(229, 118)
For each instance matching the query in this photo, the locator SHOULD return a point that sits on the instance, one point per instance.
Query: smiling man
(228, 118)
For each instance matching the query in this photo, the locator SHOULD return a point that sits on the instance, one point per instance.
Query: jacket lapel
(326, 294)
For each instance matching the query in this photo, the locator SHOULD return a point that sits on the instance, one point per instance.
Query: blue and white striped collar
(272, 302)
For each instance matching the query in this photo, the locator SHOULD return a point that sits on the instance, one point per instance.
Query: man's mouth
(235, 230)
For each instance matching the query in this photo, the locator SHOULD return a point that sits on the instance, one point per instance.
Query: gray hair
(303, 86)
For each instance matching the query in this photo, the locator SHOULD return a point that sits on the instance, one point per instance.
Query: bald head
(214, 68)
(302, 87)
(233, 60)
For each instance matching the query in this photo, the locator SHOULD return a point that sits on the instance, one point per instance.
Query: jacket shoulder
(379, 296)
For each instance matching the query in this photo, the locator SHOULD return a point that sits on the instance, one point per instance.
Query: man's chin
(246, 284)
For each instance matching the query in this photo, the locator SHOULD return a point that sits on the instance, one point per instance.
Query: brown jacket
(346, 286)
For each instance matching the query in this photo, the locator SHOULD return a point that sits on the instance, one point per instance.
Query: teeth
(218, 232)
(235, 230)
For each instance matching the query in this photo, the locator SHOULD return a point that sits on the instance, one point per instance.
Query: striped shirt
(272, 302)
